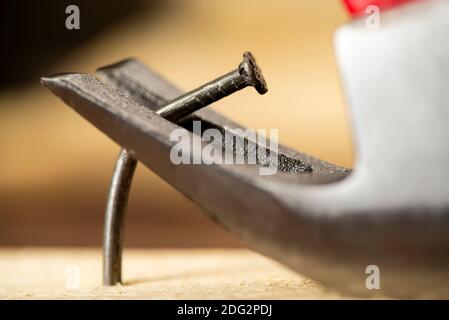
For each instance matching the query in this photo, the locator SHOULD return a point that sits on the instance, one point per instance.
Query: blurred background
(55, 167)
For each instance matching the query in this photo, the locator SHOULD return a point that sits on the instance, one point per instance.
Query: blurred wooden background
(55, 167)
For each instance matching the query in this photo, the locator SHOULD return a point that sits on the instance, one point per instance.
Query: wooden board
(68, 273)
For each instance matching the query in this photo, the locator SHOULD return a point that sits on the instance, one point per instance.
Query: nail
(247, 74)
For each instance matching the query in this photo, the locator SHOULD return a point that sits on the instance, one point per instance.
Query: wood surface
(43, 273)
